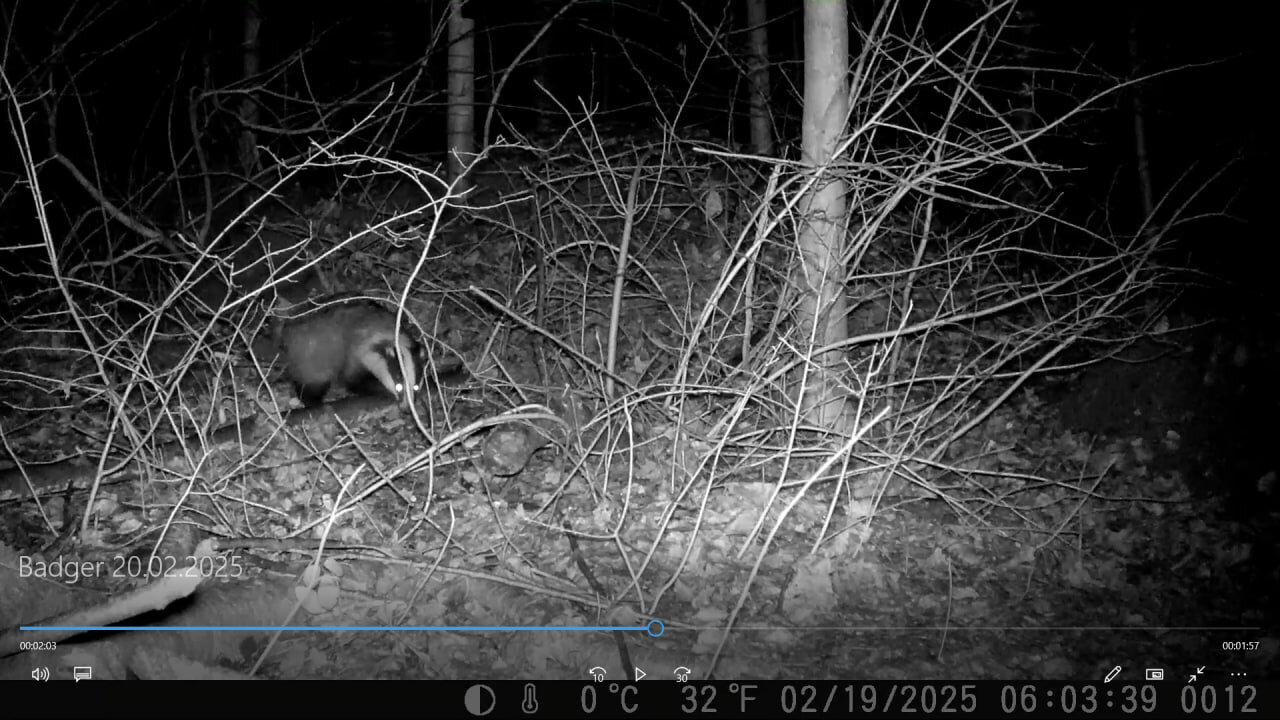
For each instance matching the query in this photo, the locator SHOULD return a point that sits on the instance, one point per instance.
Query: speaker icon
(40, 674)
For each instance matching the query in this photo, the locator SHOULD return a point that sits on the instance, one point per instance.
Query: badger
(352, 343)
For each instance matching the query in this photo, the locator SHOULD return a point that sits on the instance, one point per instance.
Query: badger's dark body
(351, 344)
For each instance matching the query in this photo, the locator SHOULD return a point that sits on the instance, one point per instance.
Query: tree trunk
(758, 66)
(462, 93)
(544, 75)
(820, 278)
(250, 63)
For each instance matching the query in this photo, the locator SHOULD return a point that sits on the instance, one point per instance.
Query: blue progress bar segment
(653, 627)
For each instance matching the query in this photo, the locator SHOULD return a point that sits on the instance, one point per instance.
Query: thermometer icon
(530, 703)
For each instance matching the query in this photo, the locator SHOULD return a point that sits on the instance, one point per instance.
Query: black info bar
(725, 699)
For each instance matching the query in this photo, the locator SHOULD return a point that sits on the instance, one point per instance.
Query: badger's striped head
(398, 367)
(407, 365)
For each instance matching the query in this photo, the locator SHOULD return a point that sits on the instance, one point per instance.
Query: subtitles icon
(82, 672)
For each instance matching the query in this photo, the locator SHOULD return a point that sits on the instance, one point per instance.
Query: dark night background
(119, 78)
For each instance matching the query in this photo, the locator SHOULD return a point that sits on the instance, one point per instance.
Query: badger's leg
(311, 394)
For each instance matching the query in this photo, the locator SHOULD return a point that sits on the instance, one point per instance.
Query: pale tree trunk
(462, 92)
(823, 303)
(758, 66)
(250, 63)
